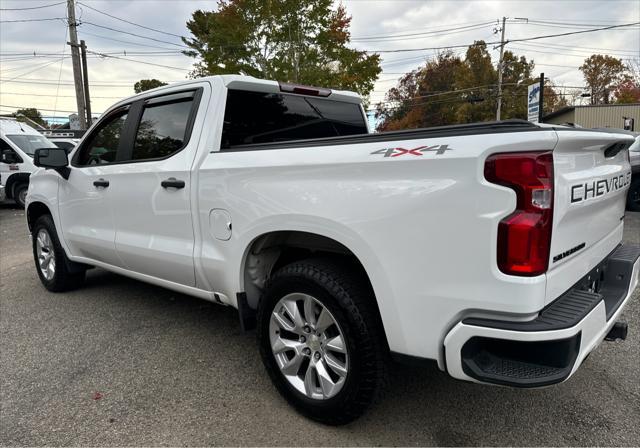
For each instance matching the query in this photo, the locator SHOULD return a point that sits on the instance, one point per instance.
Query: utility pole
(85, 78)
(75, 59)
(500, 68)
(541, 103)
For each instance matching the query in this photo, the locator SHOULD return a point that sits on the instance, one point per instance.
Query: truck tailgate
(592, 175)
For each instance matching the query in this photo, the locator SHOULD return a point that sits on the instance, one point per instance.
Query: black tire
(19, 193)
(342, 289)
(68, 275)
(633, 196)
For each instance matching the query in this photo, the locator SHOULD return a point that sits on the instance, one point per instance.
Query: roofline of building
(570, 108)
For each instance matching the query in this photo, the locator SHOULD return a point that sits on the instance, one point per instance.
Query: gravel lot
(124, 363)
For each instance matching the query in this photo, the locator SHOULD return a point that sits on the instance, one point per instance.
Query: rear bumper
(548, 349)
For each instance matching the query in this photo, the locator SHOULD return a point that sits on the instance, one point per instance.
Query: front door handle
(101, 183)
(172, 182)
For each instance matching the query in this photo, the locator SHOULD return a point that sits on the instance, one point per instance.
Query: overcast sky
(45, 81)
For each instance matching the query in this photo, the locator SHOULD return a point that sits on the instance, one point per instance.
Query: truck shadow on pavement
(201, 360)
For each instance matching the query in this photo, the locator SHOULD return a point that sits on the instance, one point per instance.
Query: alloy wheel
(309, 346)
(46, 254)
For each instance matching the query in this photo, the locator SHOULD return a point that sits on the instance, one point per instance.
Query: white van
(18, 142)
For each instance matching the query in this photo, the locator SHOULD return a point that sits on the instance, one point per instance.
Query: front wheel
(633, 196)
(57, 273)
(321, 339)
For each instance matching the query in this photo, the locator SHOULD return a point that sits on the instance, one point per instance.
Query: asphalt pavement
(120, 362)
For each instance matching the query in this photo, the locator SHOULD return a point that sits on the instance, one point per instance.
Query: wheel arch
(34, 211)
(13, 180)
(269, 250)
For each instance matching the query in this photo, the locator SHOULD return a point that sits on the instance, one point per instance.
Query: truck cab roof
(250, 83)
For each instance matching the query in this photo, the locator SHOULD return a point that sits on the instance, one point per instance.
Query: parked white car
(18, 141)
(493, 249)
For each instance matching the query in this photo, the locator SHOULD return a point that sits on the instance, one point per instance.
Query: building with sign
(620, 116)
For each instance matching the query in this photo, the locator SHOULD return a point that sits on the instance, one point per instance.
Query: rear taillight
(524, 237)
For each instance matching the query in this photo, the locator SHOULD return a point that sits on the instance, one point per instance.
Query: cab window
(162, 130)
(28, 143)
(7, 154)
(102, 146)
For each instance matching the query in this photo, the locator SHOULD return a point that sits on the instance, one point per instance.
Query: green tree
(31, 113)
(147, 84)
(602, 74)
(301, 41)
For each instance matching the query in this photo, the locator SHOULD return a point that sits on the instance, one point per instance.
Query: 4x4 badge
(396, 152)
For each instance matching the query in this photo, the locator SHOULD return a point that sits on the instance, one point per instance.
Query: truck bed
(458, 130)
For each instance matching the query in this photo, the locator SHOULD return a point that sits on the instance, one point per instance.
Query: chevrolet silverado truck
(493, 249)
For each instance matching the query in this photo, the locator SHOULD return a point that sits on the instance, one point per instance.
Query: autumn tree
(450, 90)
(628, 90)
(552, 100)
(32, 114)
(418, 99)
(147, 84)
(602, 74)
(301, 41)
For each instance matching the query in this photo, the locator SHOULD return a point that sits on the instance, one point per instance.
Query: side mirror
(50, 158)
(54, 158)
(9, 157)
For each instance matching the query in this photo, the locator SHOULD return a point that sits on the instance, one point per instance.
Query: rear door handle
(101, 183)
(172, 182)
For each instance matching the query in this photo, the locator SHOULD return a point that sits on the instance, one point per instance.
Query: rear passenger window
(163, 128)
(256, 117)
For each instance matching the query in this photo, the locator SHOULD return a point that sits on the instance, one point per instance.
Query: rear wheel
(57, 273)
(633, 196)
(20, 194)
(321, 340)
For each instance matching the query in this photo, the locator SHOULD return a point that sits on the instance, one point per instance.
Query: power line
(561, 24)
(119, 52)
(66, 83)
(402, 50)
(421, 29)
(582, 50)
(574, 32)
(33, 20)
(40, 108)
(4, 92)
(122, 41)
(31, 71)
(129, 22)
(139, 62)
(33, 7)
(425, 33)
(134, 34)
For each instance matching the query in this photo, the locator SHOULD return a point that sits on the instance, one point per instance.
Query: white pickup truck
(493, 249)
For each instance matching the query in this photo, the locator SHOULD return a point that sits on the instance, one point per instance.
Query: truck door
(85, 211)
(150, 193)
